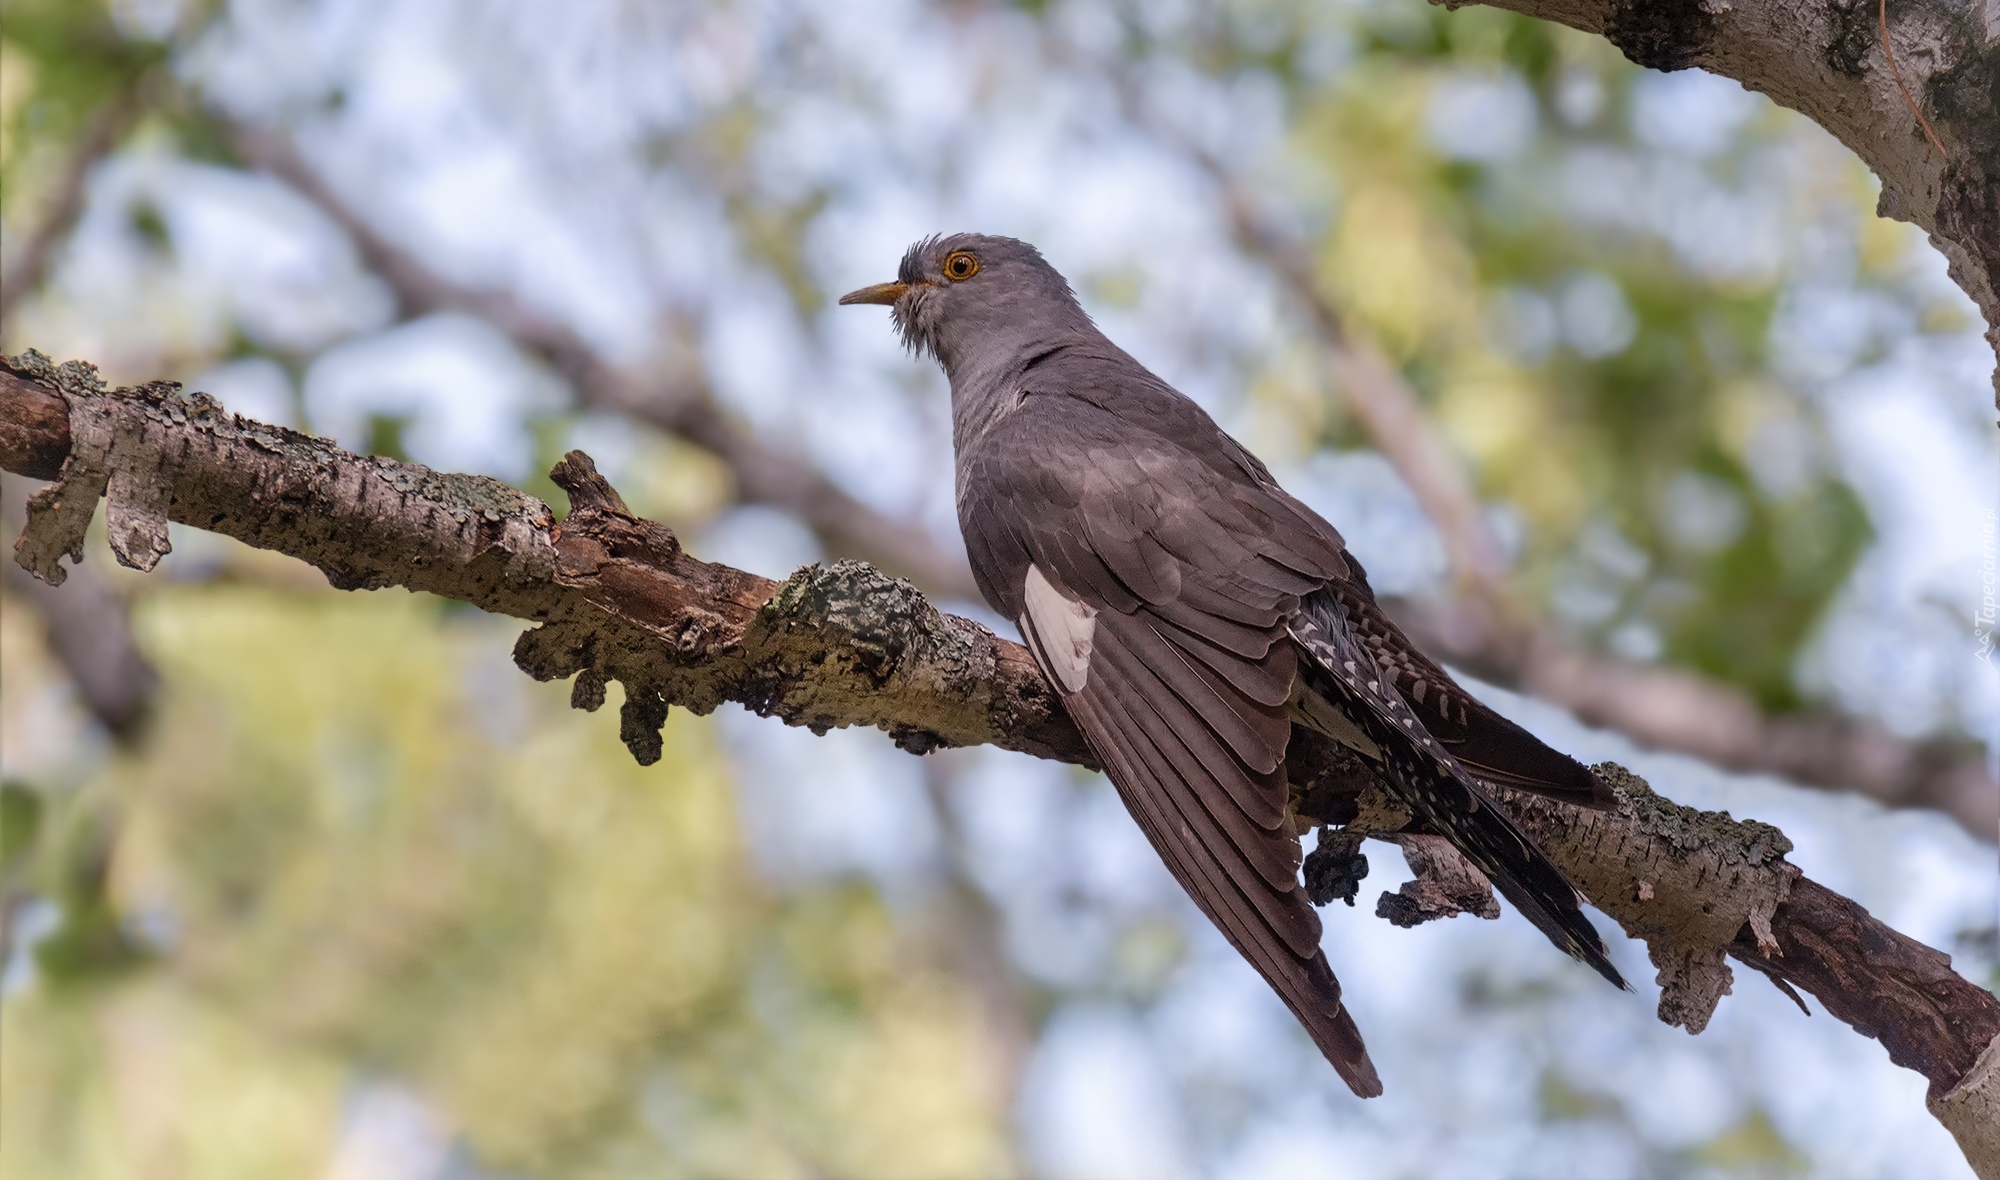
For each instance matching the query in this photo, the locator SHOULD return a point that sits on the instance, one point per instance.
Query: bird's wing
(1153, 592)
(1485, 743)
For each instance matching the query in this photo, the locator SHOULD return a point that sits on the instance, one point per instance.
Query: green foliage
(20, 824)
(385, 436)
(90, 943)
(61, 62)
(79, 57)
(1753, 1147)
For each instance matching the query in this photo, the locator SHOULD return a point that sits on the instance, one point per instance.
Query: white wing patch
(1059, 630)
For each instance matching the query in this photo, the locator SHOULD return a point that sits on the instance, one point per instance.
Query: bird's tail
(1343, 674)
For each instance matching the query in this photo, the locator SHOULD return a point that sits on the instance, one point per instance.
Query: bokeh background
(302, 883)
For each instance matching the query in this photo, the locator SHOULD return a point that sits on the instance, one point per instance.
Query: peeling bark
(616, 598)
(830, 646)
(1824, 59)
(1972, 1110)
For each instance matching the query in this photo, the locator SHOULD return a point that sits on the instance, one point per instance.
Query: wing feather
(1287, 953)
(1254, 734)
(1265, 679)
(1208, 800)
(1484, 742)
(1130, 501)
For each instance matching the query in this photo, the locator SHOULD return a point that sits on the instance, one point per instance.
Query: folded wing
(1153, 589)
(1200, 765)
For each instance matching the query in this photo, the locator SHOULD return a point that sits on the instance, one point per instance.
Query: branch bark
(615, 598)
(1825, 59)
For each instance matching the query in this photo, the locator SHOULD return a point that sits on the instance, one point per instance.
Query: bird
(1191, 615)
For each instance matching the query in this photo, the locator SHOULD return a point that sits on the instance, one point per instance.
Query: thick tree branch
(616, 598)
(677, 402)
(1825, 59)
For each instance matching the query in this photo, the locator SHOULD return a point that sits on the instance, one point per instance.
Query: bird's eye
(960, 266)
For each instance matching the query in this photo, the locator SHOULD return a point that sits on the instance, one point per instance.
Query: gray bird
(1190, 613)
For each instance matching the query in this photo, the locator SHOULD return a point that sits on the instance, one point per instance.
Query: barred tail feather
(1440, 791)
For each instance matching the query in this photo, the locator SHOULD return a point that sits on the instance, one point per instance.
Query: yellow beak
(879, 293)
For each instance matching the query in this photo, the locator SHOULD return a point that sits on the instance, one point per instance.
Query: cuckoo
(1190, 613)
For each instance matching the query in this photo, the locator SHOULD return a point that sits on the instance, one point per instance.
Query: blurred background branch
(679, 402)
(89, 629)
(27, 264)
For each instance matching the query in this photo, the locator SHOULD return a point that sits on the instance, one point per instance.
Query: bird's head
(970, 296)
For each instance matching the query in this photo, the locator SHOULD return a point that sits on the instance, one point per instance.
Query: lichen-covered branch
(1826, 60)
(616, 598)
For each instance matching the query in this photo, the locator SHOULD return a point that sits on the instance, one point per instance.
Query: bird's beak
(879, 293)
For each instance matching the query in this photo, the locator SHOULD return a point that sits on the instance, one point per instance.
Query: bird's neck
(987, 381)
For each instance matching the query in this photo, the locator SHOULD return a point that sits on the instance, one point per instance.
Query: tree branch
(1826, 60)
(680, 403)
(615, 598)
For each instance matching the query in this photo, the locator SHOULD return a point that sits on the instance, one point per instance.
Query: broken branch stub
(1445, 886)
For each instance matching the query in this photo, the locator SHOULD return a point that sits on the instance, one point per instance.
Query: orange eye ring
(960, 266)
